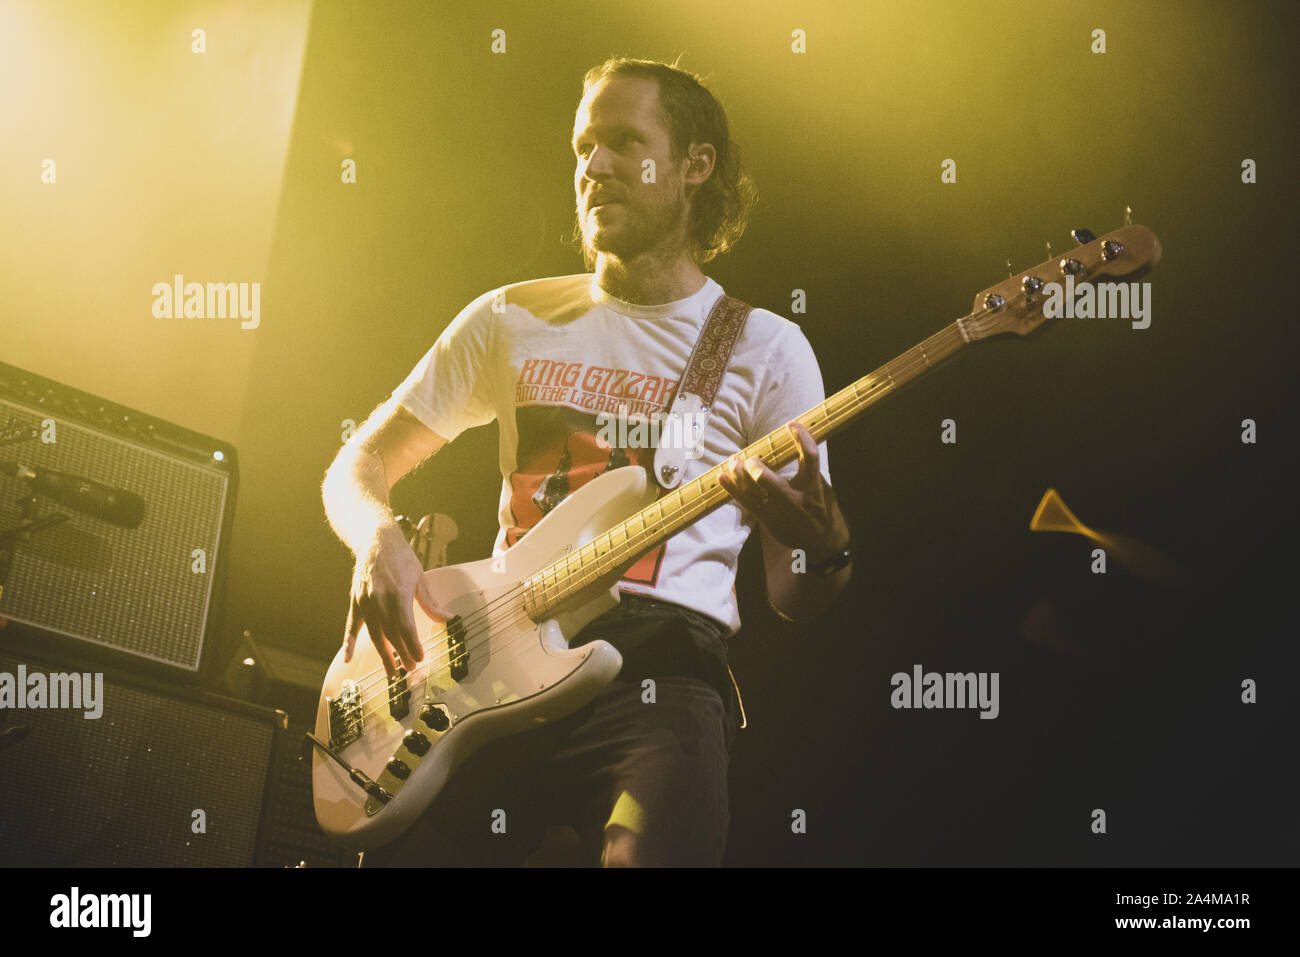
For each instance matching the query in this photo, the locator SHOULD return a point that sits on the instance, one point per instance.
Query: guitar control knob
(994, 301)
(416, 743)
(398, 769)
(1110, 249)
(434, 717)
(1033, 285)
(1071, 267)
(1083, 236)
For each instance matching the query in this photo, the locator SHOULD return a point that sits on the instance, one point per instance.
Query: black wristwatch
(837, 561)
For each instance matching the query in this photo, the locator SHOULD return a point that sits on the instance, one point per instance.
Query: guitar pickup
(345, 715)
(457, 650)
(399, 695)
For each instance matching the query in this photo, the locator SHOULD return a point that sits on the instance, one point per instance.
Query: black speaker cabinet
(163, 777)
(151, 593)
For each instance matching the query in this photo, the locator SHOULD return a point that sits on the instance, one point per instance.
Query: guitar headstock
(1016, 304)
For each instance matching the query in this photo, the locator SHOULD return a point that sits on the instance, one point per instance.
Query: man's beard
(668, 222)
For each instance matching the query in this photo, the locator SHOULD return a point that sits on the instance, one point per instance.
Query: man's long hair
(721, 205)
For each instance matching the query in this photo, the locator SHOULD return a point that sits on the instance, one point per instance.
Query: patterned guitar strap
(698, 386)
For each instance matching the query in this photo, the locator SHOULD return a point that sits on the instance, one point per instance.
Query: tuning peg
(1083, 236)
(1128, 215)
(1049, 250)
(1009, 273)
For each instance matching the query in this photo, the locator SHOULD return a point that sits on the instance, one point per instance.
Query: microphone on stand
(102, 501)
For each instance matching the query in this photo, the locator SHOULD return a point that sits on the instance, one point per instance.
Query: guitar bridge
(345, 715)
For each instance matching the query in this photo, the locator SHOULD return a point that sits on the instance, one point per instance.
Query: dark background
(1129, 701)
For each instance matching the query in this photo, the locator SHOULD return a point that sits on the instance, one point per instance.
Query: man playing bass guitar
(640, 775)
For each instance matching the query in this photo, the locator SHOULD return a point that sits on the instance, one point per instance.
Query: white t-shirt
(545, 357)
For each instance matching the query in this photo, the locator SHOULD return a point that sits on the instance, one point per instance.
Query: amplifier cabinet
(162, 777)
(150, 593)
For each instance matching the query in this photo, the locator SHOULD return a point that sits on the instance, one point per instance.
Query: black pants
(643, 782)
